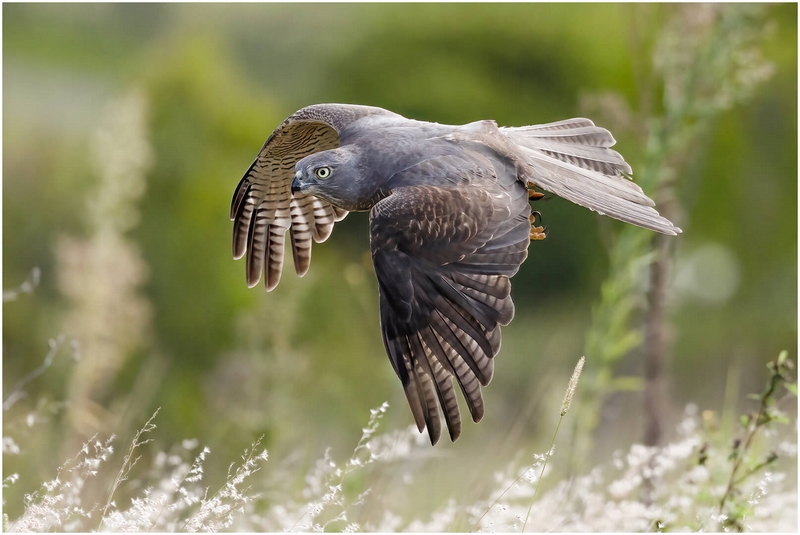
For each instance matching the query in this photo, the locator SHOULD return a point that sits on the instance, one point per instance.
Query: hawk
(450, 224)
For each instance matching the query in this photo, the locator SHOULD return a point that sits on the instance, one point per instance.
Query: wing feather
(263, 199)
(452, 416)
(466, 378)
(445, 291)
(274, 263)
(413, 391)
(471, 354)
(324, 218)
(442, 371)
(241, 226)
(257, 244)
(301, 209)
(432, 393)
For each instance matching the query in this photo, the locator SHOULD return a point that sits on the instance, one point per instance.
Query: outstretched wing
(443, 257)
(573, 159)
(263, 207)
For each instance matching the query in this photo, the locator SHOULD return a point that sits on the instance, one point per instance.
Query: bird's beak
(297, 185)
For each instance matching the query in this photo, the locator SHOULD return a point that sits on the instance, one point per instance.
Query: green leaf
(791, 387)
(744, 419)
(780, 418)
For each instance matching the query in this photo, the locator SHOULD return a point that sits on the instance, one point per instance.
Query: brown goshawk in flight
(450, 224)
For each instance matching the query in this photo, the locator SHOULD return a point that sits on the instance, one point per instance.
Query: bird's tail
(573, 160)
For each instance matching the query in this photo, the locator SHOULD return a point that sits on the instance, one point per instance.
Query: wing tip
(434, 434)
(454, 433)
(301, 268)
(271, 280)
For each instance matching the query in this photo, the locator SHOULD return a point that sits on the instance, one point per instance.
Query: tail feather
(600, 159)
(576, 141)
(580, 131)
(604, 194)
(572, 159)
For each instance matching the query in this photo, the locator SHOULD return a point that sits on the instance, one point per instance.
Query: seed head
(573, 384)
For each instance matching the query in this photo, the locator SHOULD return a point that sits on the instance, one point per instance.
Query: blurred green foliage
(304, 363)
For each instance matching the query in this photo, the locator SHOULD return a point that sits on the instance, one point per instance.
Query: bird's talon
(538, 233)
(534, 195)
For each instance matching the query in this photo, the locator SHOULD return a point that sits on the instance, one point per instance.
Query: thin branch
(16, 392)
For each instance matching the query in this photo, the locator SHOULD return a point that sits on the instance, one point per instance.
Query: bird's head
(333, 175)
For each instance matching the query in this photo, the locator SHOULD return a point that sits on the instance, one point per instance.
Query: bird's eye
(323, 172)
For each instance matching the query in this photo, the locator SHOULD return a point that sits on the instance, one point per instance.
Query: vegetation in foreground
(706, 480)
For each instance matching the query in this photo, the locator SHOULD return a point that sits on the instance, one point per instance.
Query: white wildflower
(9, 446)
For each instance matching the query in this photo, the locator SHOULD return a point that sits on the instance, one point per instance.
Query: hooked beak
(297, 185)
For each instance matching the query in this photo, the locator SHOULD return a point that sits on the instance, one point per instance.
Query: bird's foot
(538, 233)
(534, 195)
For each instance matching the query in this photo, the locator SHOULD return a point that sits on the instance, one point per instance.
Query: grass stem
(541, 474)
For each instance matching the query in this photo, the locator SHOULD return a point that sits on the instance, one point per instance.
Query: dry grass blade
(128, 462)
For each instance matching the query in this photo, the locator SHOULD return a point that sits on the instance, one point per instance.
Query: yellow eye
(323, 172)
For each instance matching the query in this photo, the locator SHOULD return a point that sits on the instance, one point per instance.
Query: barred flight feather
(274, 264)
(431, 387)
(497, 286)
(503, 308)
(477, 356)
(494, 339)
(442, 373)
(241, 227)
(600, 159)
(413, 394)
(469, 332)
(466, 378)
(452, 416)
(583, 134)
(256, 245)
(430, 409)
(419, 389)
(265, 190)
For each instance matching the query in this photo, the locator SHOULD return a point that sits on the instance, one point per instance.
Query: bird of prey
(450, 224)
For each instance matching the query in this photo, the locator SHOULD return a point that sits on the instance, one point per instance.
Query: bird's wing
(263, 206)
(443, 256)
(573, 160)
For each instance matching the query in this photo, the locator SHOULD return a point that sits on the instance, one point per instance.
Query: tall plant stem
(541, 474)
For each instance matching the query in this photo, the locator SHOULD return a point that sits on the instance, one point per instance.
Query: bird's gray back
(438, 153)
